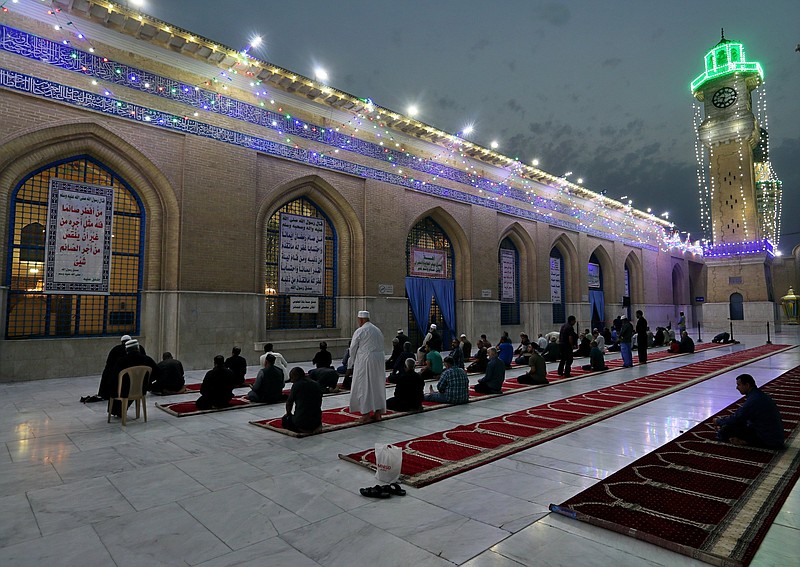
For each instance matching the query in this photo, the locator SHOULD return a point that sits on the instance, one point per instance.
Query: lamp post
(791, 307)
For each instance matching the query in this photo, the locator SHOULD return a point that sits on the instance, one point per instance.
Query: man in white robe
(367, 360)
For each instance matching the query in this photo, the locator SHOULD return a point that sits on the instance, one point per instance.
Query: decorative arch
(345, 221)
(32, 149)
(679, 284)
(607, 268)
(635, 278)
(573, 276)
(461, 249)
(527, 259)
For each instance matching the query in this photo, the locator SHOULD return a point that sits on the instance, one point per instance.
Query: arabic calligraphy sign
(428, 263)
(555, 280)
(78, 245)
(594, 275)
(508, 273)
(302, 255)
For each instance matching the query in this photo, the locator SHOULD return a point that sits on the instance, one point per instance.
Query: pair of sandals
(385, 491)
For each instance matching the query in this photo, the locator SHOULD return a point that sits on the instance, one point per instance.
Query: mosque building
(158, 184)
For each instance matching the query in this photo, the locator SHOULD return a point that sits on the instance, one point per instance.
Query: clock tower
(739, 254)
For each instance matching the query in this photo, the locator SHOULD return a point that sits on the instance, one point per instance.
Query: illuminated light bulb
(580, 180)
(412, 110)
(535, 162)
(321, 74)
(494, 144)
(468, 129)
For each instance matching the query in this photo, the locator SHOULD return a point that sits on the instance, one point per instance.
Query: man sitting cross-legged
(410, 390)
(596, 358)
(492, 382)
(757, 422)
(268, 388)
(453, 386)
(306, 400)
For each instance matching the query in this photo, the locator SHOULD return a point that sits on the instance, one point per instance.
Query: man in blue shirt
(757, 422)
(505, 351)
(453, 386)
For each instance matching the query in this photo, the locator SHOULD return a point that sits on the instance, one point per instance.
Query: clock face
(724, 97)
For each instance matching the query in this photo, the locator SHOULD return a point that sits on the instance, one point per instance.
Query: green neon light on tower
(726, 58)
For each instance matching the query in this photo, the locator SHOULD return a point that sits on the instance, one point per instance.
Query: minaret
(739, 256)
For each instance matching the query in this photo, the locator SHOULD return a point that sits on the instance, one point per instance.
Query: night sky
(598, 88)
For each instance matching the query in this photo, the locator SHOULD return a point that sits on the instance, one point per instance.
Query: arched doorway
(736, 307)
(430, 281)
(558, 286)
(508, 282)
(300, 267)
(74, 308)
(596, 295)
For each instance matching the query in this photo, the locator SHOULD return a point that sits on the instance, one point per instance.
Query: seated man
(456, 353)
(345, 358)
(170, 376)
(280, 362)
(216, 390)
(659, 338)
(541, 343)
(524, 357)
(492, 382)
(524, 342)
(757, 422)
(453, 386)
(466, 348)
(400, 363)
(552, 353)
(596, 358)
(306, 399)
(132, 357)
(323, 358)
(505, 351)
(599, 339)
(238, 365)
(116, 352)
(327, 378)
(410, 390)
(687, 344)
(584, 345)
(538, 370)
(481, 358)
(268, 388)
(433, 364)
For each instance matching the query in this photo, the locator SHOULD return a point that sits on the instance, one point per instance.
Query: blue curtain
(444, 292)
(597, 301)
(419, 292)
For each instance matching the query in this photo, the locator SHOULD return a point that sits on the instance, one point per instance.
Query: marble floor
(213, 490)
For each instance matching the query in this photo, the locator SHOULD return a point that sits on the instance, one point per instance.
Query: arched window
(737, 307)
(429, 256)
(557, 286)
(34, 314)
(300, 287)
(596, 295)
(508, 282)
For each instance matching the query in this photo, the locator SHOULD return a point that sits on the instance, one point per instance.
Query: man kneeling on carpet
(492, 383)
(453, 386)
(757, 422)
(410, 390)
(217, 388)
(537, 374)
(268, 387)
(306, 399)
(597, 360)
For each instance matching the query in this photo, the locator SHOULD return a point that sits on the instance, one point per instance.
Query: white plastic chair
(137, 375)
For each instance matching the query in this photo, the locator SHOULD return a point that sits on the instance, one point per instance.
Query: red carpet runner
(341, 418)
(699, 497)
(433, 457)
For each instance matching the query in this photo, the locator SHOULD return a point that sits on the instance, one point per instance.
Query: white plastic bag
(389, 461)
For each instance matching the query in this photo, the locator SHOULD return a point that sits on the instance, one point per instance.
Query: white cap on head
(125, 338)
(363, 314)
(463, 336)
(399, 331)
(132, 344)
(433, 327)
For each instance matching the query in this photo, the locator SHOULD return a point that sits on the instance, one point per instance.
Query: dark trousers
(565, 364)
(740, 431)
(641, 346)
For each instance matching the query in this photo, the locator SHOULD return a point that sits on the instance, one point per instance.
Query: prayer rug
(696, 496)
(432, 457)
(184, 409)
(342, 418)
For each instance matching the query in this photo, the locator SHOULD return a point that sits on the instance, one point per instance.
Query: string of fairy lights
(452, 161)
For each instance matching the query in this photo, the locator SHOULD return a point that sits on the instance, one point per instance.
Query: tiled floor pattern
(213, 490)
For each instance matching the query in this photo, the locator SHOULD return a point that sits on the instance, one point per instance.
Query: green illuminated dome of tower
(726, 58)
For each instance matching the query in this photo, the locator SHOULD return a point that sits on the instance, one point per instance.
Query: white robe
(368, 361)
